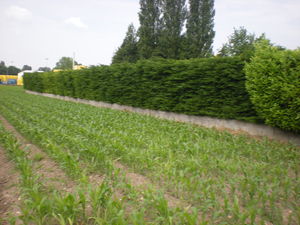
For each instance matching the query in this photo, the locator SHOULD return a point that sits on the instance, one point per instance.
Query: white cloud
(75, 21)
(18, 13)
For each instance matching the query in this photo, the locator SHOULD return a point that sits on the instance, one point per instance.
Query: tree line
(170, 29)
(14, 70)
(11, 70)
(64, 63)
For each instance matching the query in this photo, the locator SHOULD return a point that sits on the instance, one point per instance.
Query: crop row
(228, 179)
(106, 204)
(87, 203)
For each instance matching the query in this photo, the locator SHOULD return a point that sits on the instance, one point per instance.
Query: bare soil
(9, 192)
(49, 171)
(141, 182)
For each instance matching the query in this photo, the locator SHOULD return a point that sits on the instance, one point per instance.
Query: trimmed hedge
(273, 81)
(208, 87)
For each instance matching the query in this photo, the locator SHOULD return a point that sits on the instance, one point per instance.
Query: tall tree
(3, 68)
(150, 27)
(12, 70)
(65, 63)
(199, 28)
(45, 69)
(240, 43)
(128, 51)
(174, 15)
(26, 67)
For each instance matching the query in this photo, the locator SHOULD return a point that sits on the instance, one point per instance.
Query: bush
(273, 81)
(207, 87)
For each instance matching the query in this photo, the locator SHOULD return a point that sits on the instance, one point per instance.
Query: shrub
(210, 86)
(273, 81)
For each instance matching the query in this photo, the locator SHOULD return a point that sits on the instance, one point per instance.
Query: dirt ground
(9, 193)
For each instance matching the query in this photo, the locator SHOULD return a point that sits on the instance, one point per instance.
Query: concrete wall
(235, 125)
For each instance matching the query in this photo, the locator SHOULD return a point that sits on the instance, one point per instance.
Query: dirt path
(142, 182)
(48, 170)
(9, 193)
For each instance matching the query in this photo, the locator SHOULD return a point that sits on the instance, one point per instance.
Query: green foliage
(174, 15)
(199, 28)
(240, 43)
(273, 81)
(3, 69)
(128, 51)
(65, 63)
(10, 70)
(150, 28)
(26, 67)
(33, 82)
(209, 86)
(160, 33)
(44, 68)
(221, 178)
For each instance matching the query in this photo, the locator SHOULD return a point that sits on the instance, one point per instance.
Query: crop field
(124, 168)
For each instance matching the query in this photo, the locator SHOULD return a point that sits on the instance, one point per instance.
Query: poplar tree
(127, 52)
(150, 27)
(199, 28)
(174, 15)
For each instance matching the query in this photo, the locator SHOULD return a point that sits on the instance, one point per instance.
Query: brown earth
(142, 182)
(9, 193)
(48, 170)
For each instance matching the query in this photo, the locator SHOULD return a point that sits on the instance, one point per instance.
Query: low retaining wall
(236, 125)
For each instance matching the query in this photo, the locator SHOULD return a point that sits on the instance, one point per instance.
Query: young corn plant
(204, 167)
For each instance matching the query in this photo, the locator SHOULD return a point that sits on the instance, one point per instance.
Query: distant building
(57, 70)
(75, 67)
(79, 67)
(8, 79)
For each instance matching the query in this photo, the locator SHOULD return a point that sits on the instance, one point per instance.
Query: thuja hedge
(273, 81)
(211, 87)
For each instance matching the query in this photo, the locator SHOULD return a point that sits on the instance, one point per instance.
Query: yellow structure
(75, 67)
(57, 70)
(20, 81)
(5, 78)
(79, 67)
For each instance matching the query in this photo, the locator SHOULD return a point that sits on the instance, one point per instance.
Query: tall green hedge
(211, 86)
(273, 81)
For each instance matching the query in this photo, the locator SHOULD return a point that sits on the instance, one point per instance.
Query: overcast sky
(39, 32)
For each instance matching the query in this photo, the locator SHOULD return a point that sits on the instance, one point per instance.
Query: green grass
(228, 179)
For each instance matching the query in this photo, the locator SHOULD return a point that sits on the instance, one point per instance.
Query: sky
(39, 32)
